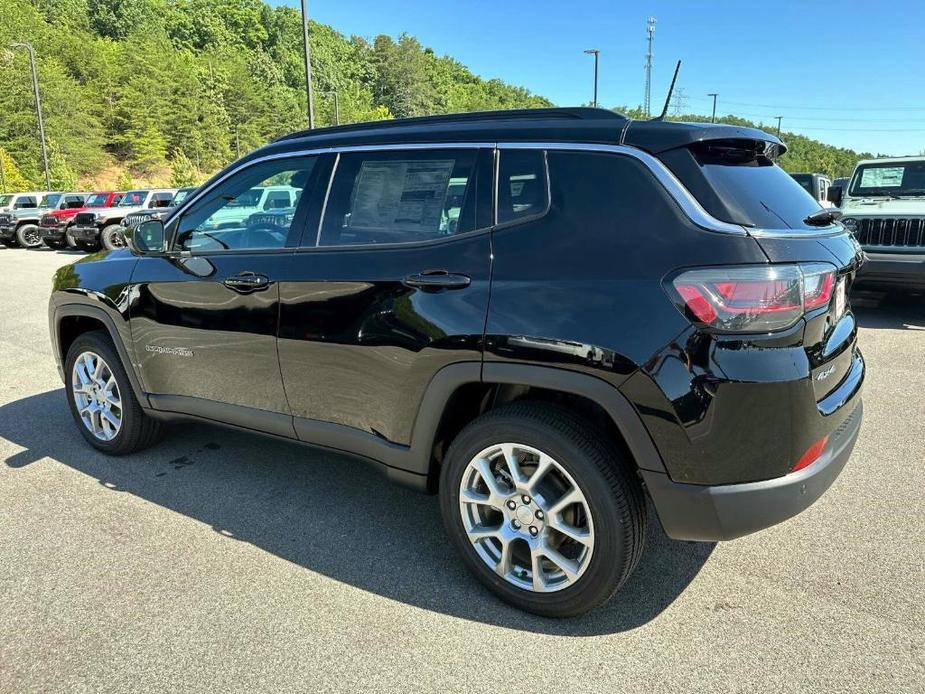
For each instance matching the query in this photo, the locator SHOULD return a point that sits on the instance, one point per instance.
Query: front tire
(29, 236)
(113, 237)
(543, 508)
(101, 398)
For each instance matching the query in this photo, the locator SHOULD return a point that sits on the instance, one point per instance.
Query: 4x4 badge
(822, 375)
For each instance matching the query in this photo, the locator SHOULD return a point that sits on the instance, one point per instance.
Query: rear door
(391, 286)
(204, 317)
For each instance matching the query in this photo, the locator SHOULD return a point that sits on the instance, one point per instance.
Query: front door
(204, 317)
(392, 286)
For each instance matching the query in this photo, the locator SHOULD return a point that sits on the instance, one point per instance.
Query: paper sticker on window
(882, 177)
(400, 194)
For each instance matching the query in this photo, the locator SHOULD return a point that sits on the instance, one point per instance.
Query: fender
(65, 310)
(616, 405)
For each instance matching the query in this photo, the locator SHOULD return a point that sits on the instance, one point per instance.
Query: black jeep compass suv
(543, 316)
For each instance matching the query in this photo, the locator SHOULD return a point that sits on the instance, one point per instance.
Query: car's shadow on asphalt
(330, 514)
(894, 310)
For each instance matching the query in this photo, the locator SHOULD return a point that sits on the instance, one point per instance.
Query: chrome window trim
(694, 211)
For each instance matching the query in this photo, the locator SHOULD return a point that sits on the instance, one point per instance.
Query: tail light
(754, 298)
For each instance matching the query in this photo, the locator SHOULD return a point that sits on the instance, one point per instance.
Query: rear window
(747, 187)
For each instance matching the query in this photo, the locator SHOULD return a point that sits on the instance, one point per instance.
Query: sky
(848, 73)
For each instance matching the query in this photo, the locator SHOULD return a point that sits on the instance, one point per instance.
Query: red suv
(54, 225)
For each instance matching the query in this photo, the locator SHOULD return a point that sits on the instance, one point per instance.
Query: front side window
(230, 218)
(400, 197)
(96, 200)
(25, 202)
(522, 185)
(5, 200)
(50, 201)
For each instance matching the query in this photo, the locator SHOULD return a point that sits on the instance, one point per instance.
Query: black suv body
(541, 315)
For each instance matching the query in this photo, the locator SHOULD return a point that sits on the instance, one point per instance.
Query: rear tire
(69, 239)
(543, 570)
(113, 237)
(29, 236)
(101, 399)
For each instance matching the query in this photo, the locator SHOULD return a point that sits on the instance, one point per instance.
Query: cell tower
(650, 30)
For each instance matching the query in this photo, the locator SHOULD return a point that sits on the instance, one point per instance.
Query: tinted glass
(26, 202)
(220, 221)
(805, 181)
(889, 179)
(400, 197)
(133, 198)
(522, 185)
(756, 190)
(5, 200)
(50, 200)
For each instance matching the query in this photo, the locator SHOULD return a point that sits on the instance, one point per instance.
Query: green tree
(13, 180)
(183, 173)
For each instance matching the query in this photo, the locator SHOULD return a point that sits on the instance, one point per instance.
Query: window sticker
(882, 177)
(405, 194)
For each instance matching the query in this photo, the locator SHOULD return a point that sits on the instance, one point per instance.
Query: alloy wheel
(526, 517)
(96, 396)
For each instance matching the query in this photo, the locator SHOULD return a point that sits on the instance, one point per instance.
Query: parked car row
(91, 221)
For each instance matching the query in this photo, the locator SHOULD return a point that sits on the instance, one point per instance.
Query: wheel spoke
(494, 489)
(569, 567)
(503, 567)
(480, 532)
(544, 465)
(510, 459)
(468, 496)
(573, 496)
(536, 568)
(578, 534)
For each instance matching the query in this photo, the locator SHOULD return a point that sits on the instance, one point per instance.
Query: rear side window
(523, 189)
(26, 202)
(400, 197)
(740, 184)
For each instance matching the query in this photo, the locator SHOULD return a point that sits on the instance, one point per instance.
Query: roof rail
(564, 113)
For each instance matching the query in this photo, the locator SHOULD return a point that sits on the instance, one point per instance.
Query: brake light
(755, 298)
(812, 454)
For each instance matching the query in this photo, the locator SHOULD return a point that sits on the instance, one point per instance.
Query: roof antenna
(674, 79)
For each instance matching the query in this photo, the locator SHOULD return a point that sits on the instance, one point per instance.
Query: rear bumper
(724, 512)
(7, 232)
(893, 270)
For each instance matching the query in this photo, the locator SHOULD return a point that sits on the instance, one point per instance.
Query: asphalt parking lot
(225, 562)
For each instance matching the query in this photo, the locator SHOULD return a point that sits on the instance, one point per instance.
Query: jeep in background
(815, 184)
(10, 204)
(54, 226)
(103, 227)
(467, 302)
(884, 207)
(23, 228)
(135, 218)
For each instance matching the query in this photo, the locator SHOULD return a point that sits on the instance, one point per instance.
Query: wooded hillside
(168, 91)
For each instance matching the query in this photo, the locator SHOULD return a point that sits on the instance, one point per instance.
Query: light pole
(778, 124)
(308, 65)
(336, 105)
(713, 117)
(597, 54)
(38, 107)
(2, 174)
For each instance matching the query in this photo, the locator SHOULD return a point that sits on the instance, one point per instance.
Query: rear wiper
(822, 218)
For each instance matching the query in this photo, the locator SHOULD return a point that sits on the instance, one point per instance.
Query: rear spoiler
(656, 137)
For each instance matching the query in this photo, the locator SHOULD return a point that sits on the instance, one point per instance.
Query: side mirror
(147, 238)
(834, 195)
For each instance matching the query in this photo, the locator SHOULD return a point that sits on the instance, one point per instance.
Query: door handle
(247, 282)
(437, 279)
